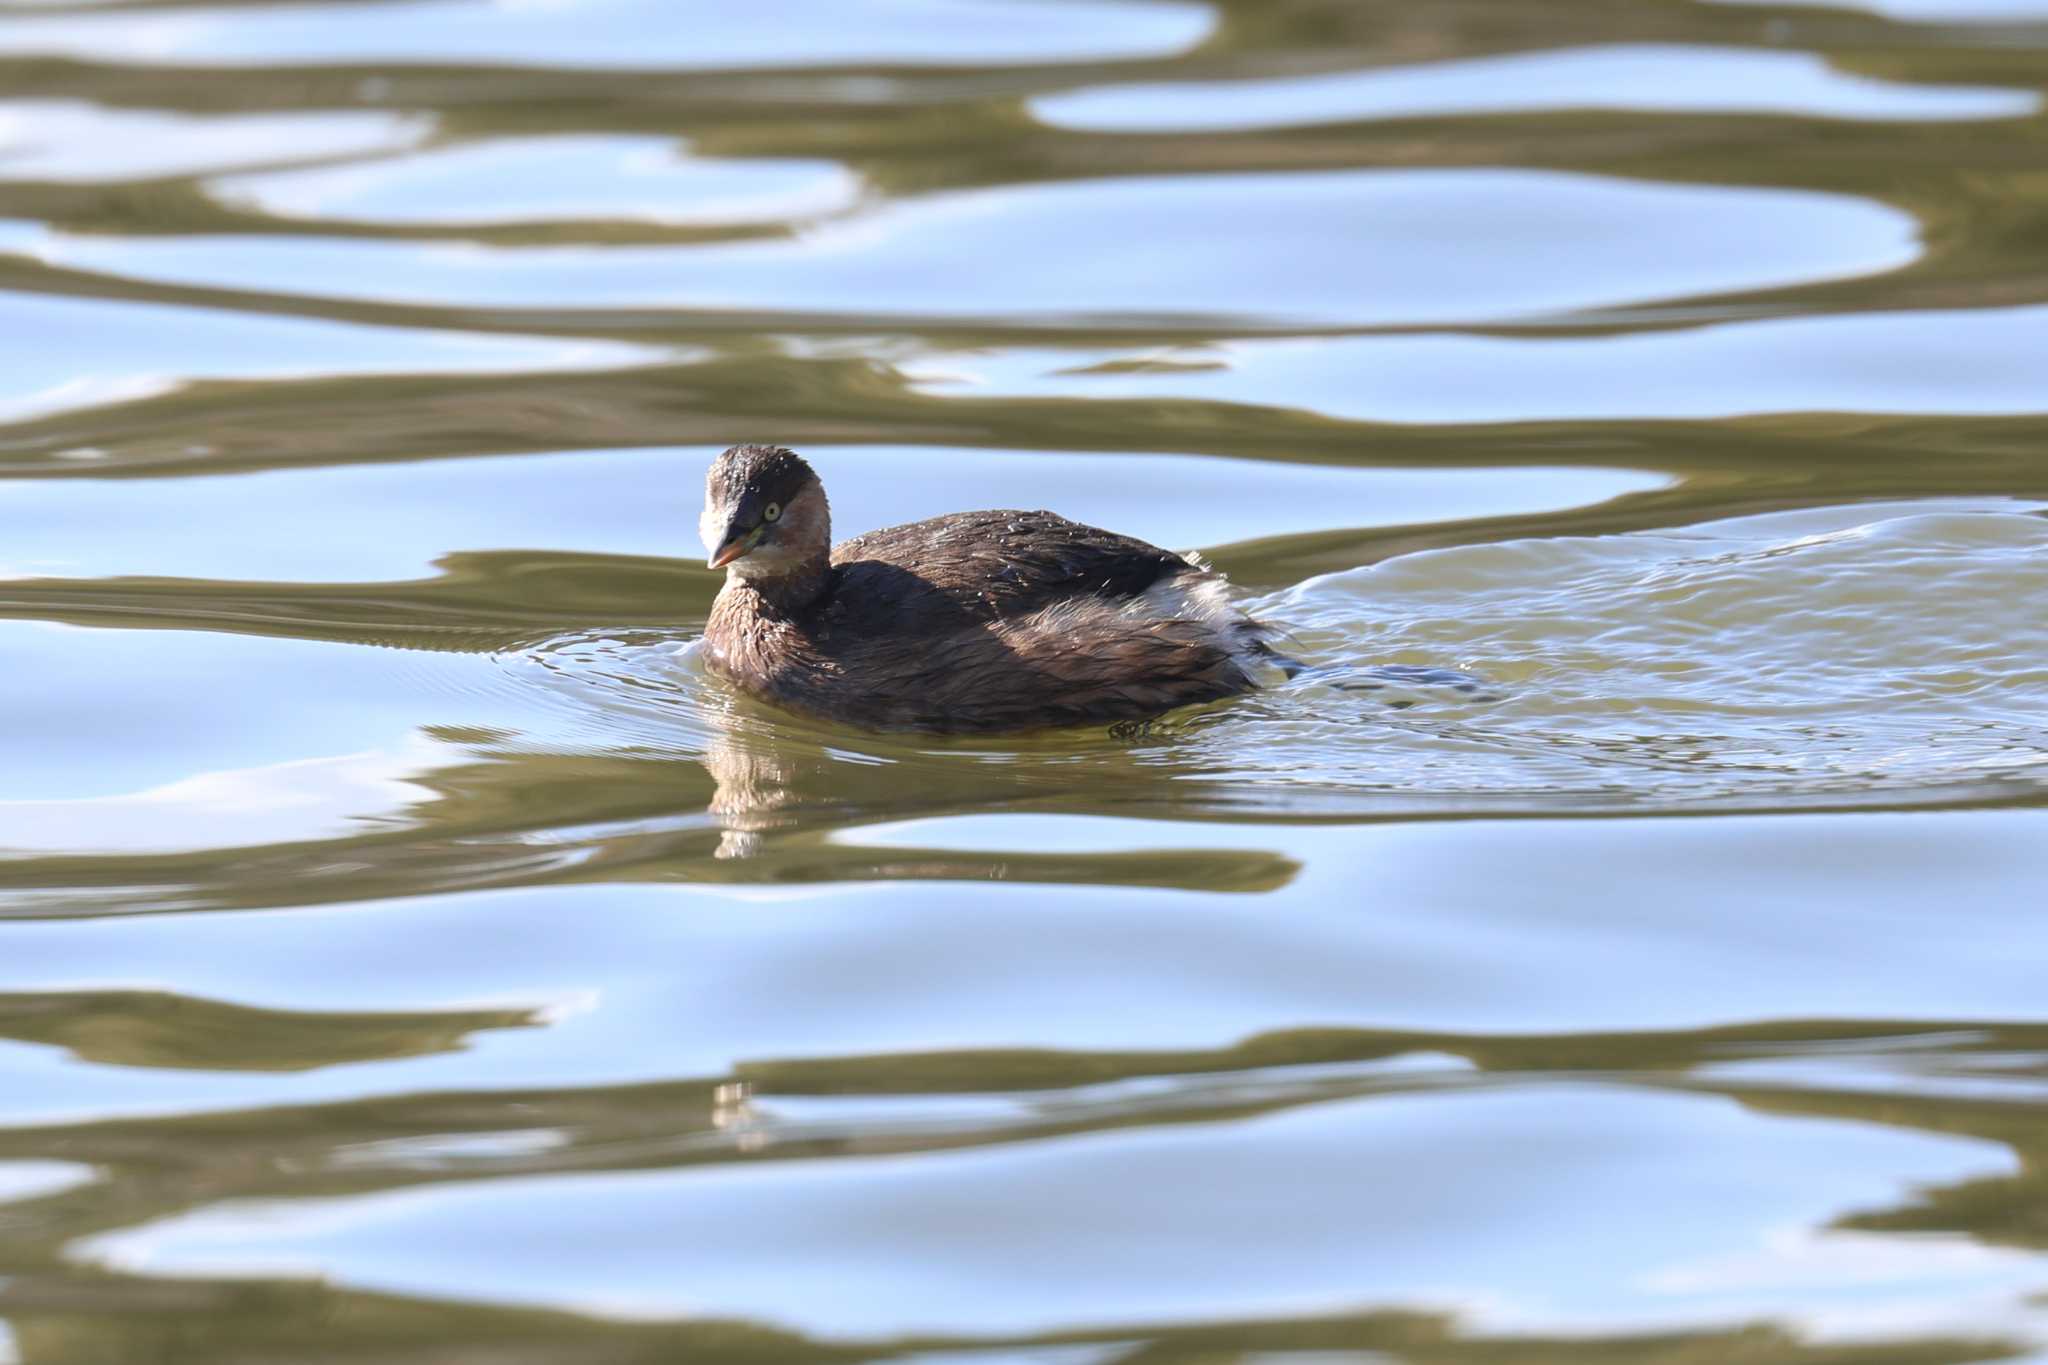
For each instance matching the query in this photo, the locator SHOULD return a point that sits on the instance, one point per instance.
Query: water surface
(1619, 938)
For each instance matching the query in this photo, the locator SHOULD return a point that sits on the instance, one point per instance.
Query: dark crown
(774, 470)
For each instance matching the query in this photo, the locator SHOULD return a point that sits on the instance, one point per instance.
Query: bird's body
(978, 621)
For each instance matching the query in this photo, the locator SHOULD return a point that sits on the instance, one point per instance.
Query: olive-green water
(1624, 942)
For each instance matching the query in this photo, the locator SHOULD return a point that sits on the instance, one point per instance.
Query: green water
(1621, 943)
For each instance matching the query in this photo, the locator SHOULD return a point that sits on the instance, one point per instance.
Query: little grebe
(976, 621)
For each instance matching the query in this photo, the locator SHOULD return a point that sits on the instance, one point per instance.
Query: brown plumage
(978, 621)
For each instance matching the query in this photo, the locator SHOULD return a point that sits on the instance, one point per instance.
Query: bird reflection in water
(759, 787)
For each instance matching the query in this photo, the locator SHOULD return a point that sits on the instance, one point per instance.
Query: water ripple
(1631, 408)
(1730, 664)
(1649, 78)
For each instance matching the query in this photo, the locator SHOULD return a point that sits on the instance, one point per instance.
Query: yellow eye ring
(772, 511)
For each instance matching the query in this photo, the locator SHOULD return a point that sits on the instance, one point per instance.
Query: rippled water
(1619, 940)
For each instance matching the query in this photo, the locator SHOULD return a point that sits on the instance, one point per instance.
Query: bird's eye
(772, 511)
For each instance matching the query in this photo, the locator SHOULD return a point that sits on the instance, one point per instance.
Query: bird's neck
(791, 571)
(788, 592)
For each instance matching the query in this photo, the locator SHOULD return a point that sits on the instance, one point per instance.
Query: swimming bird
(973, 622)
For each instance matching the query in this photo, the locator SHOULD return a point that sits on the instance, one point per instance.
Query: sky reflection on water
(1335, 248)
(1614, 940)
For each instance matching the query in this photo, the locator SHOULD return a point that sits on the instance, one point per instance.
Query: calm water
(1623, 941)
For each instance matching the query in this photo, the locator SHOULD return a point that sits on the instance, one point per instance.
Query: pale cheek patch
(802, 537)
(767, 561)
